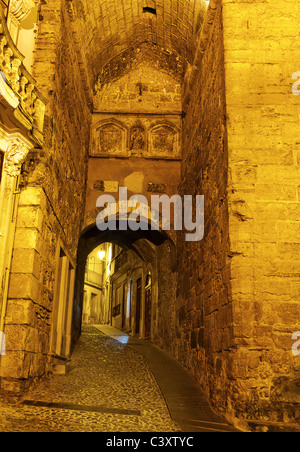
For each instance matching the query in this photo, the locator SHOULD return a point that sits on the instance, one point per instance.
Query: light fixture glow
(101, 255)
(109, 261)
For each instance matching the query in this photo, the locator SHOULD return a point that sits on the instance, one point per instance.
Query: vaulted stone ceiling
(106, 28)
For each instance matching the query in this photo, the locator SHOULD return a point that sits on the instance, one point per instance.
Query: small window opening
(148, 9)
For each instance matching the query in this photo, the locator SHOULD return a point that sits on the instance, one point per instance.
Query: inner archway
(118, 280)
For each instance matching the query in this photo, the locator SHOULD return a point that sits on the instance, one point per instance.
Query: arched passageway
(128, 267)
(160, 97)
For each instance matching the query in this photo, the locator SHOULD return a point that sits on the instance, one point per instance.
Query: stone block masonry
(51, 204)
(237, 303)
(263, 126)
(204, 304)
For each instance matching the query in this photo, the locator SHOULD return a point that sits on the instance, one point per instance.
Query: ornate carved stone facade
(21, 8)
(14, 157)
(18, 87)
(138, 138)
(109, 139)
(148, 136)
(164, 140)
(14, 149)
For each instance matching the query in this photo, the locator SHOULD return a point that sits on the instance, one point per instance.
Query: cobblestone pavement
(110, 389)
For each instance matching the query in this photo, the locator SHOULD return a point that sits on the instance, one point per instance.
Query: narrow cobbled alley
(109, 388)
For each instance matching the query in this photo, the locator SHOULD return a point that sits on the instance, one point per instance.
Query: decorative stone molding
(137, 135)
(164, 140)
(109, 139)
(8, 94)
(17, 86)
(14, 157)
(20, 9)
(138, 138)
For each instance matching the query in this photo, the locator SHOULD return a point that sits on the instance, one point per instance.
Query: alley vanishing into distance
(149, 215)
(109, 387)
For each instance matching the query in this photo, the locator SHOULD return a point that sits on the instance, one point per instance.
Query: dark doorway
(138, 305)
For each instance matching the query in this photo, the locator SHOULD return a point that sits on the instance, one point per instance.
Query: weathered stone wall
(137, 174)
(136, 126)
(145, 78)
(165, 326)
(51, 205)
(106, 29)
(263, 128)
(203, 305)
(237, 296)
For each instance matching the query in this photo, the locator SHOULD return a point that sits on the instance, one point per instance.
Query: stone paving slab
(107, 381)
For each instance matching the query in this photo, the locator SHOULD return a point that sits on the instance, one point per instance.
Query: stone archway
(148, 245)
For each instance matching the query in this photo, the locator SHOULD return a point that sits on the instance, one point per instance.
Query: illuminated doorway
(96, 307)
(148, 306)
(138, 305)
(129, 304)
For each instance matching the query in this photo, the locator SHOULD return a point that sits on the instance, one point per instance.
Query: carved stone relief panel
(15, 156)
(136, 135)
(138, 139)
(109, 139)
(164, 141)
